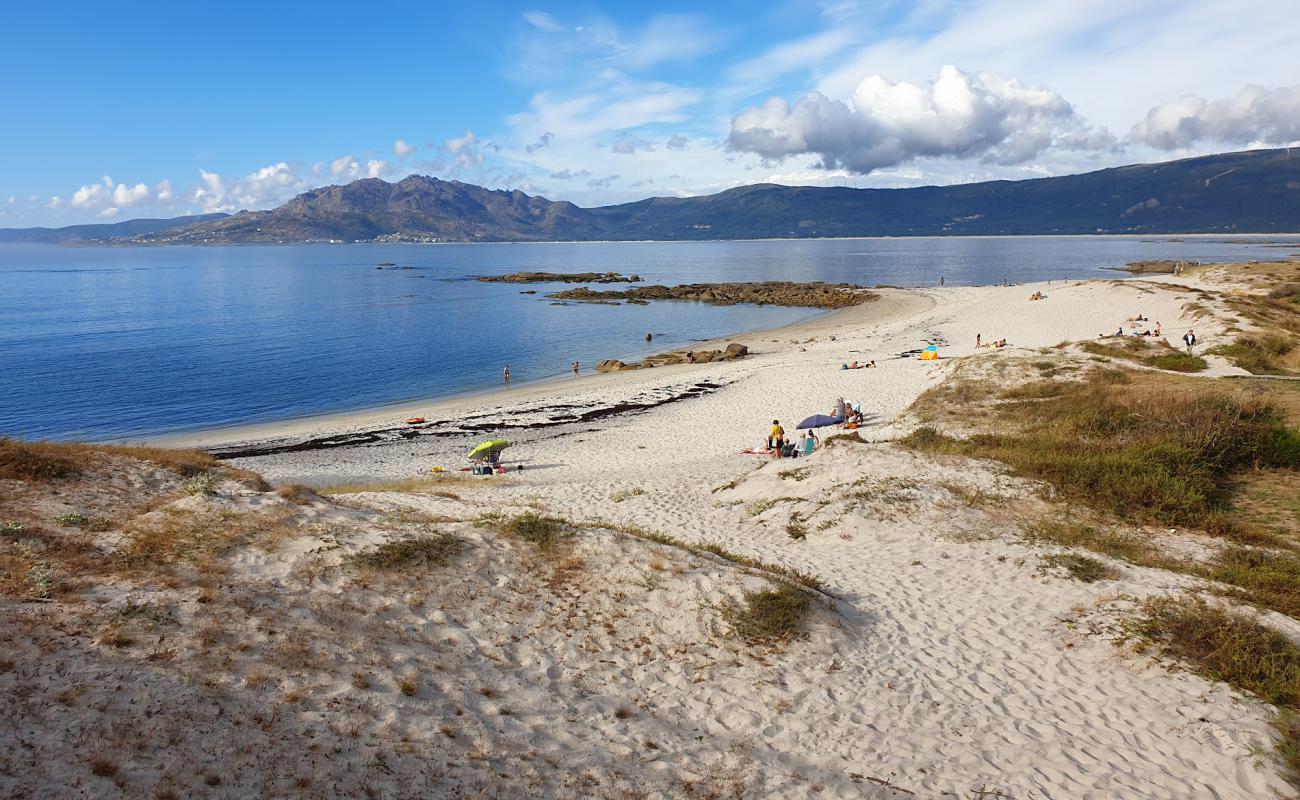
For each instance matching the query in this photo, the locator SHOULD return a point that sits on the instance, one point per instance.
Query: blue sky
(113, 111)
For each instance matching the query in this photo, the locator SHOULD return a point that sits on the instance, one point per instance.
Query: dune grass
(430, 549)
(1146, 453)
(45, 461)
(545, 532)
(1151, 354)
(1232, 647)
(768, 616)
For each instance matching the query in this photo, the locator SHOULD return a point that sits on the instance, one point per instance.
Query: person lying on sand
(1036, 296)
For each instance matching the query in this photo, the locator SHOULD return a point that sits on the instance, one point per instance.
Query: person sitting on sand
(873, 363)
(1036, 296)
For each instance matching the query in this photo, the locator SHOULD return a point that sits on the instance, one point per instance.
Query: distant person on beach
(648, 337)
(507, 373)
(977, 339)
(776, 438)
(941, 280)
(575, 369)
(1189, 339)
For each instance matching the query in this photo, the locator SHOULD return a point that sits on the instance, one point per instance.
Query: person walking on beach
(507, 373)
(941, 280)
(977, 339)
(1189, 339)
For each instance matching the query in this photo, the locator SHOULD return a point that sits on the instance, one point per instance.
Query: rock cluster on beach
(772, 293)
(559, 277)
(731, 353)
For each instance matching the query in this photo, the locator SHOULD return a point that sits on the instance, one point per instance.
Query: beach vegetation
(1150, 453)
(852, 437)
(796, 529)
(1231, 646)
(623, 494)
(431, 549)
(1151, 354)
(543, 531)
(1080, 567)
(436, 486)
(768, 616)
(1258, 353)
(204, 484)
(297, 493)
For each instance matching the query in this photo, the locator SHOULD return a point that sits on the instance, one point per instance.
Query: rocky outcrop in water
(769, 293)
(732, 352)
(559, 277)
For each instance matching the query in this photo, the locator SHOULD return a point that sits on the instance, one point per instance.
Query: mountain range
(1256, 191)
(101, 232)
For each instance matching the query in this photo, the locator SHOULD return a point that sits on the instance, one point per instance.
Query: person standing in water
(507, 373)
(575, 369)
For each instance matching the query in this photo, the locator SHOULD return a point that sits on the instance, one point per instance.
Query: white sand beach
(950, 663)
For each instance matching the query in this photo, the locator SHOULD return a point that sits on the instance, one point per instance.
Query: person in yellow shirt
(776, 439)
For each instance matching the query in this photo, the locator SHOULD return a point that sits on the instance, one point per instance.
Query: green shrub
(1150, 456)
(540, 530)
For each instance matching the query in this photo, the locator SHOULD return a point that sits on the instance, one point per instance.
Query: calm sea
(102, 343)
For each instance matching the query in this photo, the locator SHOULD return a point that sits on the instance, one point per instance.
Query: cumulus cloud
(401, 149)
(678, 142)
(376, 168)
(1255, 114)
(109, 212)
(346, 167)
(270, 185)
(958, 114)
(107, 194)
(465, 149)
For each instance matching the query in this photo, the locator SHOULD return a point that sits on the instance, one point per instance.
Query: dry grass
(769, 616)
(433, 549)
(437, 486)
(1080, 567)
(45, 461)
(298, 494)
(170, 537)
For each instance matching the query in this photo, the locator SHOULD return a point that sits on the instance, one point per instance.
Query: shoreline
(891, 305)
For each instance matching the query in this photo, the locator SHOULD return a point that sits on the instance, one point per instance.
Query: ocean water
(112, 343)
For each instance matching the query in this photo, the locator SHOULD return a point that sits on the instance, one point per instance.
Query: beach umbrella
(818, 421)
(482, 449)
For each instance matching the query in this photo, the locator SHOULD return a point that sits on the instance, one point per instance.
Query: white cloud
(958, 114)
(543, 21)
(124, 195)
(106, 193)
(401, 149)
(109, 212)
(376, 168)
(270, 185)
(346, 167)
(465, 150)
(678, 142)
(1254, 115)
(56, 202)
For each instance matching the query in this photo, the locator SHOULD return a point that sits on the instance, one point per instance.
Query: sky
(113, 111)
